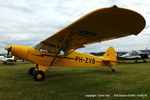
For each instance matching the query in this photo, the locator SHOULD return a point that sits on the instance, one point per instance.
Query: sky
(28, 22)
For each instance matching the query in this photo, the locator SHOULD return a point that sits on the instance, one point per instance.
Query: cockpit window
(47, 48)
(43, 50)
(134, 52)
(36, 46)
(62, 52)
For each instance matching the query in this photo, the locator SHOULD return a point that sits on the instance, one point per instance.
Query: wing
(97, 26)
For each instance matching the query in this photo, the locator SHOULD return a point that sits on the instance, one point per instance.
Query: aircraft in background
(5, 60)
(97, 26)
(134, 55)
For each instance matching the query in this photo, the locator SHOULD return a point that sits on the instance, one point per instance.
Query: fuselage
(44, 58)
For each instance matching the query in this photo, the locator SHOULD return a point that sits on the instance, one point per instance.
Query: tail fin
(110, 56)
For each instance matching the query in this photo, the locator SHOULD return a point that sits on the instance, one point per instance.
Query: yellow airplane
(97, 26)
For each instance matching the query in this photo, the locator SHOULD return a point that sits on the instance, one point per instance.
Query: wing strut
(58, 51)
(66, 55)
(69, 52)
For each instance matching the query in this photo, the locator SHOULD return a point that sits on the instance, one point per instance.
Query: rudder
(110, 56)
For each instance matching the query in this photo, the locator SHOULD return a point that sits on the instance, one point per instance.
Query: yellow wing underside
(97, 26)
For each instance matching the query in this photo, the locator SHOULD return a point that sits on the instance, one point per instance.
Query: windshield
(48, 48)
(135, 52)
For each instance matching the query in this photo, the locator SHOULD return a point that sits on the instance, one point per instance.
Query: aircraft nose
(20, 51)
(6, 48)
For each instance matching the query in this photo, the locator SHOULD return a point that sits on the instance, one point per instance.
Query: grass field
(76, 83)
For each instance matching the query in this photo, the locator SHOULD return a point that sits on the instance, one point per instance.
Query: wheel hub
(39, 76)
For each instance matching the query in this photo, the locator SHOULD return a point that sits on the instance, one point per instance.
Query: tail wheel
(31, 70)
(113, 70)
(4, 62)
(39, 75)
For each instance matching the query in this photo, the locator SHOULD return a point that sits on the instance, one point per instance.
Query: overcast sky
(27, 22)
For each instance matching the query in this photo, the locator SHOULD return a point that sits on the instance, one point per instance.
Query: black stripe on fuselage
(43, 55)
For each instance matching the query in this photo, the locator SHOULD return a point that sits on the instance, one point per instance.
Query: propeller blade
(9, 50)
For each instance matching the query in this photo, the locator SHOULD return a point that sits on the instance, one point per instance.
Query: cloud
(27, 22)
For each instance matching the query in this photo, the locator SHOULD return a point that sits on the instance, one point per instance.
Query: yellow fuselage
(45, 58)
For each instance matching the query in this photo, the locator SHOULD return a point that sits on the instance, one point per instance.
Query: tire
(136, 61)
(113, 70)
(145, 61)
(31, 71)
(39, 76)
(4, 62)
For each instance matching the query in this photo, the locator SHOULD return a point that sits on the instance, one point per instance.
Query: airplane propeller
(9, 50)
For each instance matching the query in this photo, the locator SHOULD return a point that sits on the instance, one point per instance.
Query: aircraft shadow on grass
(101, 72)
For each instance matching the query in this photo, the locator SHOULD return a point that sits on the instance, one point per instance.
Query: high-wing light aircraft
(134, 55)
(97, 26)
(5, 60)
(12, 59)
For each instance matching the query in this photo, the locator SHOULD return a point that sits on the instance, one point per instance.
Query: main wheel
(4, 62)
(31, 70)
(39, 75)
(113, 70)
(136, 61)
(144, 61)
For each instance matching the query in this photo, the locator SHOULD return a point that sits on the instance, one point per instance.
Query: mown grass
(75, 83)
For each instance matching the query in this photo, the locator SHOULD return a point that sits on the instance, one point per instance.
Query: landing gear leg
(113, 70)
(144, 61)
